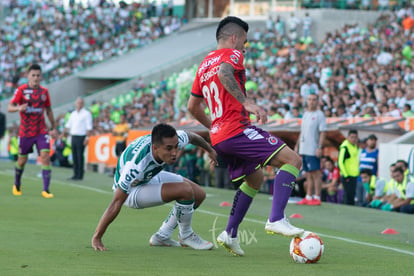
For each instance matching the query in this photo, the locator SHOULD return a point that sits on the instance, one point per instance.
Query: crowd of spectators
(353, 4)
(357, 71)
(66, 40)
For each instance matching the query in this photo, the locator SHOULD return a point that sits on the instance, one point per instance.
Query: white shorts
(148, 195)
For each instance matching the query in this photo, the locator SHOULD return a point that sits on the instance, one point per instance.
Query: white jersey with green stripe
(137, 166)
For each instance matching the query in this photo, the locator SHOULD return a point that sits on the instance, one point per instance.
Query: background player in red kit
(31, 100)
(220, 83)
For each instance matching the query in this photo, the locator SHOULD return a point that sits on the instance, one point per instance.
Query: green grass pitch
(52, 236)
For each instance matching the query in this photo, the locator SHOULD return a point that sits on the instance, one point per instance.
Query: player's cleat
(314, 202)
(304, 201)
(16, 192)
(231, 244)
(196, 242)
(282, 227)
(157, 240)
(46, 194)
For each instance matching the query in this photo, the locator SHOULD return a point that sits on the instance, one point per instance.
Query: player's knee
(201, 195)
(186, 191)
(295, 161)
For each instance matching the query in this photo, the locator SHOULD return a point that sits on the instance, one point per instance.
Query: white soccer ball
(307, 248)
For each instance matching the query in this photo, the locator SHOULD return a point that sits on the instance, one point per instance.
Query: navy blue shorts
(311, 163)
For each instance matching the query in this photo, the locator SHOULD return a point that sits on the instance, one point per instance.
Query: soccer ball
(307, 248)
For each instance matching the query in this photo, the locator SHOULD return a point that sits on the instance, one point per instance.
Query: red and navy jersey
(228, 116)
(32, 121)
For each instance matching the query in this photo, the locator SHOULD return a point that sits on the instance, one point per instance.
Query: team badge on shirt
(234, 59)
(272, 140)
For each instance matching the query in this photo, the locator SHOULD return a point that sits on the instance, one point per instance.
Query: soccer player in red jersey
(31, 100)
(247, 149)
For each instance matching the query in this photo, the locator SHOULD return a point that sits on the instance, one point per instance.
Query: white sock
(184, 215)
(308, 197)
(317, 197)
(169, 225)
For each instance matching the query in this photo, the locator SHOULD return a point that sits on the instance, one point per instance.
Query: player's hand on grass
(98, 245)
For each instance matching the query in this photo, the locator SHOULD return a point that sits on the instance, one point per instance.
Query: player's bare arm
(16, 108)
(110, 214)
(319, 148)
(52, 130)
(227, 79)
(196, 108)
(197, 140)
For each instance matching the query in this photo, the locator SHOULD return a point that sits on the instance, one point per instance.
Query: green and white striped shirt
(137, 166)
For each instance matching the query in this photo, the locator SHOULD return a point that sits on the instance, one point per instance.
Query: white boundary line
(323, 235)
(246, 219)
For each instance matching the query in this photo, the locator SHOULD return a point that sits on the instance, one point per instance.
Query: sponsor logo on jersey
(209, 74)
(272, 140)
(31, 109)
(252, 134)
(208, 63)
(28, 91)
(131, 175)
(148, 176)
(214, 129)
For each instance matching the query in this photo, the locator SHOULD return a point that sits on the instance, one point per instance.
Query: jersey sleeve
(89, 122)
(183, 139)
(195, 90)
(234, 58)
(17, 96)
(47, 102)
(130, 177)
(322, 120)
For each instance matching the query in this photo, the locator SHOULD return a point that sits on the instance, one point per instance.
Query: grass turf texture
(52, 236)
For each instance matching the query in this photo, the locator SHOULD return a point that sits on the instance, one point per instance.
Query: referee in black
(79, 127)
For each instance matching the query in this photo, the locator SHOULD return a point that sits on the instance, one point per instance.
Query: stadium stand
(67, 40)
(353, 80)
(268, 56)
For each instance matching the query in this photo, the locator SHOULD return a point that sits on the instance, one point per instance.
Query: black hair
(366, 171)
(398, 169)
(403, 162)
(352, 131)
(34, 66)
(227, 20)
(161, 131)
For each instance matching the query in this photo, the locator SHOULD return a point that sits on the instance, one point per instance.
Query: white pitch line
(246, 219)
(324, 235)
